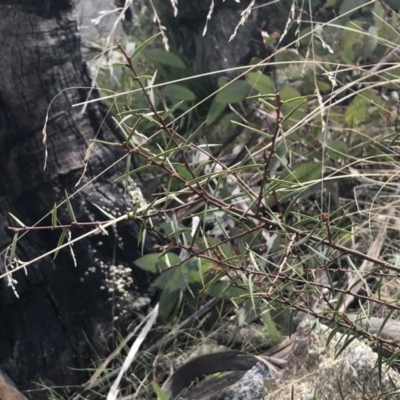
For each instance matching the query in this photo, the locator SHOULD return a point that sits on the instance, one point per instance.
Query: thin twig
(267, 159)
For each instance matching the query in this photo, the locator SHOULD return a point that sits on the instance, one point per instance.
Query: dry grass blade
(104, 364)
(8, 391)
(355, 283)
(112, 394)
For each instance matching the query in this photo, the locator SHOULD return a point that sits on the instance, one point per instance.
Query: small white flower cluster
(137, 196)
(119, 280)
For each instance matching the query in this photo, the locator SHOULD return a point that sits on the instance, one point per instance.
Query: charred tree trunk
(63, 312)
(213, 49)
(229, 40)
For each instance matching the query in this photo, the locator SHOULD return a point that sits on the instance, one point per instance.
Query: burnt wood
(65, 315)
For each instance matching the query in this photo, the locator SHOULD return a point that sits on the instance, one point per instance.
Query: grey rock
(250, 386)
(315, 371)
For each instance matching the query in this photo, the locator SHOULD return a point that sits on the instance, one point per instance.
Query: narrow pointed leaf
(14, 245)
(54, 216)
(69, 207)
(144, 45)
(20, 223)
(60, 242)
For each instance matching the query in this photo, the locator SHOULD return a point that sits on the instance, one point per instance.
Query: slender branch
(267, 159)
(164, 127)
(63, 227)
(283, 263)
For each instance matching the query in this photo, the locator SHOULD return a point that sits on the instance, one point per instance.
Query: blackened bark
(213, 51)
(62, 310)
